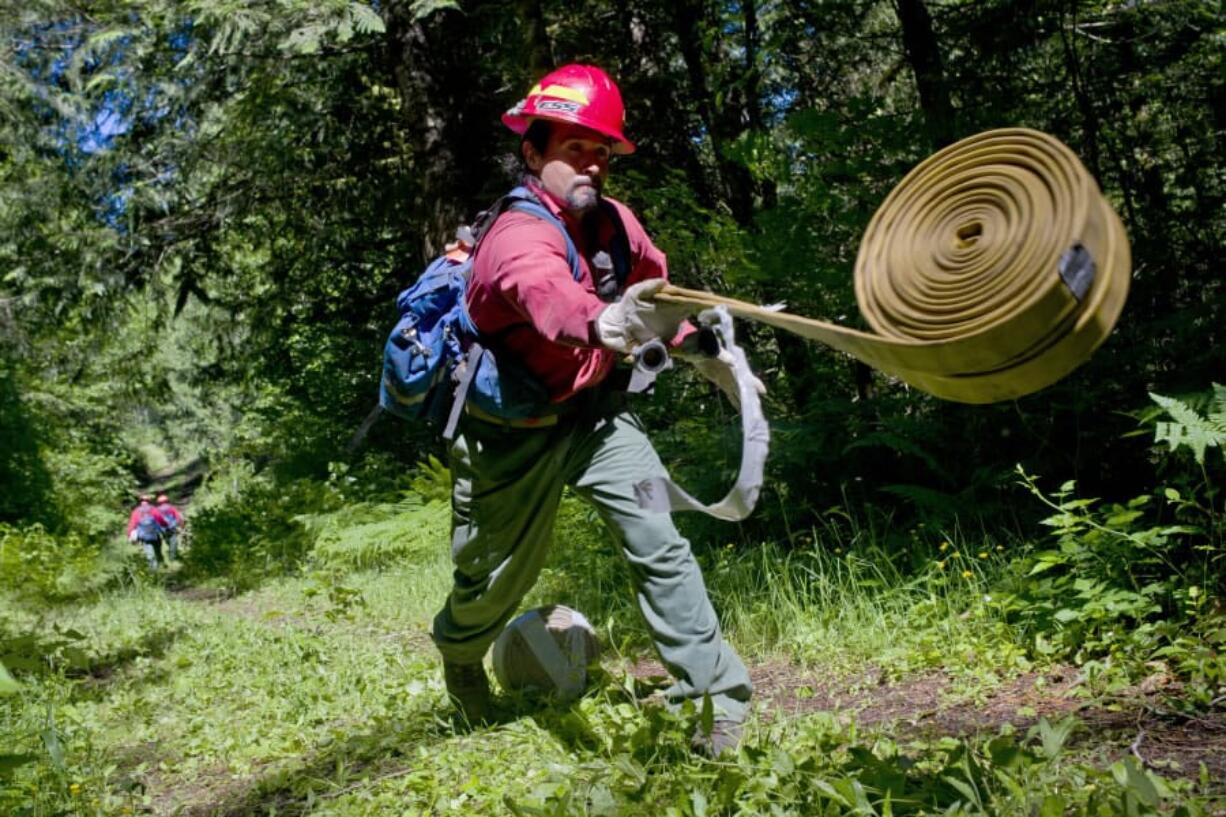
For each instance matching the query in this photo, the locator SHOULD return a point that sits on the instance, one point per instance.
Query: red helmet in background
(580, 94)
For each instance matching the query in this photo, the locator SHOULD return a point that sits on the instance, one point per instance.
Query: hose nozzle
(651, 357)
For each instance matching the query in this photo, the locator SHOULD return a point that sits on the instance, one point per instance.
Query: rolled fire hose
(993, 269)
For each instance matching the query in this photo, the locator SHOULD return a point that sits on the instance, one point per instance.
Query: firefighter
(174, 520)
(568, 335)
(146, 525)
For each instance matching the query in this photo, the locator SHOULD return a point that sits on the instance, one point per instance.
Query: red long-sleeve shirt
(522, 291)
(171, 513)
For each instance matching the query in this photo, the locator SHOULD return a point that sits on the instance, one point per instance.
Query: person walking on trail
(174, 521)
(568, 331)
(146, 525)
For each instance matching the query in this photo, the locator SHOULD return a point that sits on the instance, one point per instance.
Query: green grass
(321, 694)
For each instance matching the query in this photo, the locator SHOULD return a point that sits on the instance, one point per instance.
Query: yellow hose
(993, 269)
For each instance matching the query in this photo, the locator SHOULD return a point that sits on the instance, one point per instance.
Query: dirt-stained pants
(506, 487)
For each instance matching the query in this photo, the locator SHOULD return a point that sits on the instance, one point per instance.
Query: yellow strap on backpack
(993, 269)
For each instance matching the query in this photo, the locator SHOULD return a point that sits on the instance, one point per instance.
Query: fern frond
(926, 500)
(365, 19)
(900, 444)
(1190, 428)
(304, 40)
(1217, 413)
(424, 8)
(382, 534)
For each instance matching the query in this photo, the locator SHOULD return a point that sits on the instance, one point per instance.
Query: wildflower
(838, 551)
(987, 599)
(967, 574)
(941, 564)
(1000, 547)
(74, 789)
(983, 554)
(944, 546)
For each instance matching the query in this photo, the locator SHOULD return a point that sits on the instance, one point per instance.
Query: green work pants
(506, 486)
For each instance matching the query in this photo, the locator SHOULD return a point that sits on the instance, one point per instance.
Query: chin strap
(663, 495)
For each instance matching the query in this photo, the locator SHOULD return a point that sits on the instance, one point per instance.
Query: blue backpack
(434, 359)
(147, 528)
(171, 521)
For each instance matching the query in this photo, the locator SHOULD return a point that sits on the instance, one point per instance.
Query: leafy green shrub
(92, 490)
(1138, 580)
(25, 484)
(1110, 572)
(38, 566)
(257, 531)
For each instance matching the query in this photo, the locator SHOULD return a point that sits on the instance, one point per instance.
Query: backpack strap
(523, 200)
(620, 247)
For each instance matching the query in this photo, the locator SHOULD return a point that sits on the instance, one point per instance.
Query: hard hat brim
(519, 123)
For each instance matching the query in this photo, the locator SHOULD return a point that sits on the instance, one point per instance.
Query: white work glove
(635, 318)
(718, 369)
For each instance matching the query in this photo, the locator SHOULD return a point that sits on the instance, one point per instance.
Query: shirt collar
(550, 202)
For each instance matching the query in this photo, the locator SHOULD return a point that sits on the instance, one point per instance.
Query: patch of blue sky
(111, 118)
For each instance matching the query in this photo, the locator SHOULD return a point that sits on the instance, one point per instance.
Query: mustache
(591, 181)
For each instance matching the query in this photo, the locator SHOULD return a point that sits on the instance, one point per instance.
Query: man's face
(574, 166)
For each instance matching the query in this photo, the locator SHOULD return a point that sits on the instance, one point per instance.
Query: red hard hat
(581, 94)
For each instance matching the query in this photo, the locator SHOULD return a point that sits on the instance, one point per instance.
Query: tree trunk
(924, 54)
(734, 181)
(448, 103)
(1089, 117)
(537, 45)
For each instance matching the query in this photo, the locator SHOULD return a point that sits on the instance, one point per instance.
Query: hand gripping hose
(662, 494)
(992, 270)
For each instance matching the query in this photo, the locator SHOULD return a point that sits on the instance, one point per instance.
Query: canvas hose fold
(662, 494)
(993, 269)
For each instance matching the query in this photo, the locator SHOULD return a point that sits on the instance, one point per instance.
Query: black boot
(469, 689)
(725, 736)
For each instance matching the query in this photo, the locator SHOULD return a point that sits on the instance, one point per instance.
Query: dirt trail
(181, 481)
(1138, 721)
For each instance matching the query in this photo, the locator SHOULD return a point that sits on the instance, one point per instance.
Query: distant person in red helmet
(561, 329)
(146, 526)
(174, 519)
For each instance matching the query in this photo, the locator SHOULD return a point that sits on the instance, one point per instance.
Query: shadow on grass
(64, 650)
(386, 751)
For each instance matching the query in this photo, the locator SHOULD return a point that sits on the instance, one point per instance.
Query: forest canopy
(209, 207)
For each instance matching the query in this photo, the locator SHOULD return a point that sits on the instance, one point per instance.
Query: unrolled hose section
(993, 269)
